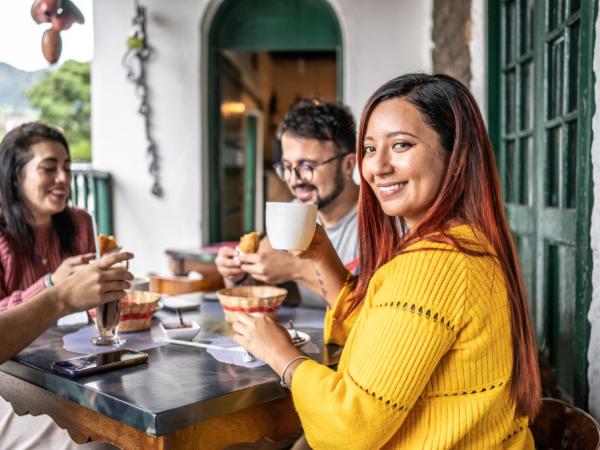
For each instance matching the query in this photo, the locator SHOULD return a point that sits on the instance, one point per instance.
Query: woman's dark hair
(312, 118)
(15, 217)
(469, 193)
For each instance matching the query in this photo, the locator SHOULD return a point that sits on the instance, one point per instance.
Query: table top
(179, 387)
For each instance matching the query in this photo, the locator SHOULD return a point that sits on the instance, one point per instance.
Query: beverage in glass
(107, 322)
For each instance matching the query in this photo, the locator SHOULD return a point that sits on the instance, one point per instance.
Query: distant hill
(13, 87)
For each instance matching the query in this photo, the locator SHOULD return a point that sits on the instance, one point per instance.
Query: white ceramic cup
(291, 226)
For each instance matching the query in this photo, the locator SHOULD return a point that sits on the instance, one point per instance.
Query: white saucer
(302, 335)
(182, 302)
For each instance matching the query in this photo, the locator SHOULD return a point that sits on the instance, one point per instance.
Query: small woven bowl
(256, 300)
(137, 308)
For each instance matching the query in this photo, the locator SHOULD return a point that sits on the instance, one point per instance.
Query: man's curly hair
(312, 118)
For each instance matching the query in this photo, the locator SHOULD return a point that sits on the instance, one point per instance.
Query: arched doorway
(263, 56)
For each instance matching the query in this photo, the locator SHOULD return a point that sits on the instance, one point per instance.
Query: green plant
(63, 99)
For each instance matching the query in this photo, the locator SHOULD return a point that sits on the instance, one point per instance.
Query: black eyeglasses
(303, 170)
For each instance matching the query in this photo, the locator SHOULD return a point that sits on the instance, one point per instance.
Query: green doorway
(263, 56)
(541, 102)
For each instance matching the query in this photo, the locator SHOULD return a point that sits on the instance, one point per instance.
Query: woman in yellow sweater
(441, 353)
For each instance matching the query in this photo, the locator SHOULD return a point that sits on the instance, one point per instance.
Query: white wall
(594, 313)
(382, 39)
(381, 42)
(144, 224)
(477, 50)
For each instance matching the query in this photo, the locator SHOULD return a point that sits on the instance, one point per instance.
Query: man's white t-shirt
(343, 236)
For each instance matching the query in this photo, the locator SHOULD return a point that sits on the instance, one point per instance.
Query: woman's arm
(15, 298)
(389, 359)
(11, 298)
(84, 241)
(392, 356)
(90, 286)
(318, 268)
(328, 272)
(23, 323)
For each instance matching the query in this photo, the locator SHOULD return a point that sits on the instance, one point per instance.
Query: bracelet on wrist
(287, 384)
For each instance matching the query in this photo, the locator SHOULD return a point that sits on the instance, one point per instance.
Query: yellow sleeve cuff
(335, 328)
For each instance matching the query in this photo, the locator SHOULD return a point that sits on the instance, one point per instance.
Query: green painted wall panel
(540, 121)
(256, 25)
(250, 174)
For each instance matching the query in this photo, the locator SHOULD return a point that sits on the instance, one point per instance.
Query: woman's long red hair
(470, 193)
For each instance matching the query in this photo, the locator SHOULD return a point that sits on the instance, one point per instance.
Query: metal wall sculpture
(134, 61)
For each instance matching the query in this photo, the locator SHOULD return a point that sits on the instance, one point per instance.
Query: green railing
(92, 190)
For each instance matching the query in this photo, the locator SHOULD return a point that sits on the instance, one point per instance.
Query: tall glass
(107, 322)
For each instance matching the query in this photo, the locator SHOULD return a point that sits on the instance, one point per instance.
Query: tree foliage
(63, 99)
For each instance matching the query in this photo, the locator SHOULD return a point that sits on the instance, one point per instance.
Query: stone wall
(451, 36)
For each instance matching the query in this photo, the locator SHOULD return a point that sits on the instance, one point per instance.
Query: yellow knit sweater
(427, 365)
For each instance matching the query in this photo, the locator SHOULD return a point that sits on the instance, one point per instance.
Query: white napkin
(231, 356)
(81, 341)
(80, 318)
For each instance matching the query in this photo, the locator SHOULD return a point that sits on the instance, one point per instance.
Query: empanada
(249, 242)
(106, 243)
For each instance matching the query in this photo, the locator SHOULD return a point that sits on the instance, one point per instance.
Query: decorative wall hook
(134, 61)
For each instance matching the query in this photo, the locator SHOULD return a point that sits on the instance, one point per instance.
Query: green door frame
(262, 25)
(585, 111)
(585, 197)
(250, 173)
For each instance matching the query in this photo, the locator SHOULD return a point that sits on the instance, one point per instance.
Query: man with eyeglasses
(317, 163)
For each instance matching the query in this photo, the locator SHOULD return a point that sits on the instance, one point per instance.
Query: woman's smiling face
(45, 180)
(403, 160)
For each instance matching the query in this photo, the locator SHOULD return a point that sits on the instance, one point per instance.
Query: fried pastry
(249, 242)
(106, 243)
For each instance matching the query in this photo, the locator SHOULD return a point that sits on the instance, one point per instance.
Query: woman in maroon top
(42, 239)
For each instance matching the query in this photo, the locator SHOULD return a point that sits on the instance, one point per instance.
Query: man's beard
(338, 187)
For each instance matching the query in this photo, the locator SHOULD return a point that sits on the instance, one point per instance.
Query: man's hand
(69, 265)
(272, 267)
(94, 284)
(228, 264)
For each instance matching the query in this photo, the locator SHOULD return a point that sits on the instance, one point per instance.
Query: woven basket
(257, 300)
(137, 308)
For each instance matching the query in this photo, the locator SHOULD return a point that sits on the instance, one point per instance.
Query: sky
(21, 37)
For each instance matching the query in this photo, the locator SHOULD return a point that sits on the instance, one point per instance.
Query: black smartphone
(89, 364)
